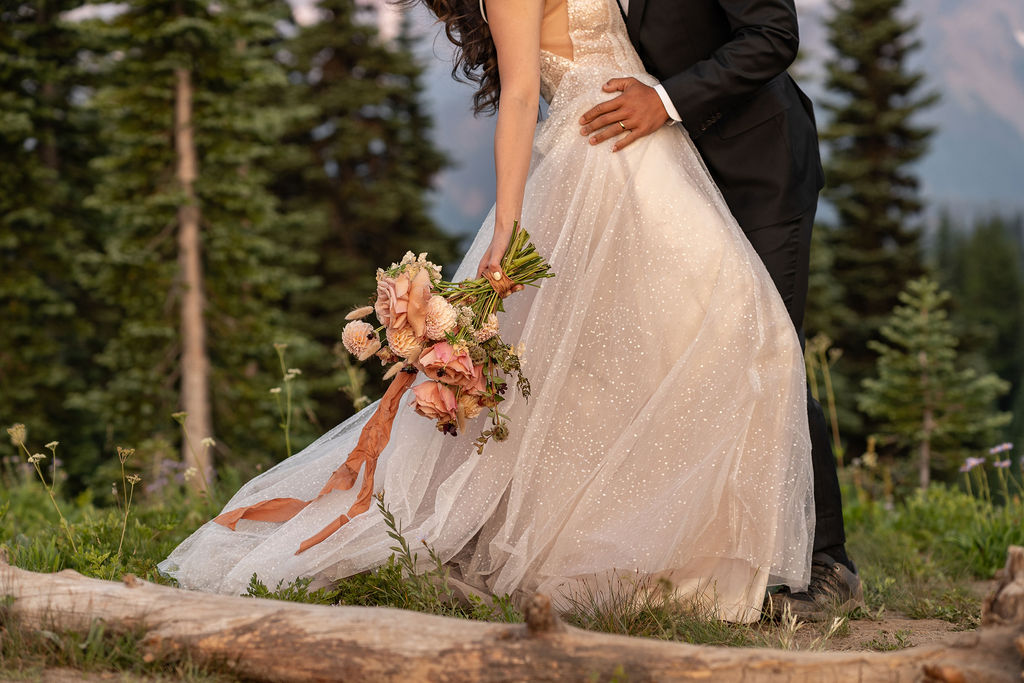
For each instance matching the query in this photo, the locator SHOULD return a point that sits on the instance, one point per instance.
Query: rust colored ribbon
(501, 284)
(372, 440)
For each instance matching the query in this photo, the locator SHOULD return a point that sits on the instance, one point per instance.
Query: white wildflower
(17, 434)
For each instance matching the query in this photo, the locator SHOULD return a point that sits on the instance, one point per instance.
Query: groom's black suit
(723, 64)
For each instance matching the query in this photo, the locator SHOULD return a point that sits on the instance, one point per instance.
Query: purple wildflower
(971, 463)
(1001, 448)
(1003, 464)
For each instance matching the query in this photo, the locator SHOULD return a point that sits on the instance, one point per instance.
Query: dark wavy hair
(475, 54)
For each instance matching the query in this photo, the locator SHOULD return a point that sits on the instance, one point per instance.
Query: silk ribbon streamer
(372, 440)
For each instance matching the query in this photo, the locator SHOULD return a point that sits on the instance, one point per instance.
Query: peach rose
(435, 401)
(402, 301)
(442, 362)
(477, 384)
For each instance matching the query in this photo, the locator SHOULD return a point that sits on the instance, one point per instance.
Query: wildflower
(280, 346)
(276, 390)
(17, 433)
(359, 313)
(53, 444)
(191, 473)
(36, 457)
(294, 371)
(971, 463)
(1002, 464)
(208, 442)
(124, 453)
(179, 417)
(133, 479)
(1001, 448)
(871, 459)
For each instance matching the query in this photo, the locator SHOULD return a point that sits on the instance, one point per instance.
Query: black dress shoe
(833, 589)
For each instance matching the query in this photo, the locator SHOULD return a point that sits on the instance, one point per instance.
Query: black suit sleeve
(764, 42)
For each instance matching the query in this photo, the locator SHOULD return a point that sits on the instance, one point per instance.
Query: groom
(722, 66)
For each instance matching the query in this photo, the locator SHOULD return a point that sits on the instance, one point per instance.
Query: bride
(666, 436)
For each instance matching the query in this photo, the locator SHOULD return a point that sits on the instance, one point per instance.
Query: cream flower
(360, 339)
(404, 342)
(441, 317)
(393, 370)
(17, 434)
(469, 406)
(488, 329)
(465, 316)
(359, 313)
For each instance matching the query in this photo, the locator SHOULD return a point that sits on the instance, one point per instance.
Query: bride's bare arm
(515, 28)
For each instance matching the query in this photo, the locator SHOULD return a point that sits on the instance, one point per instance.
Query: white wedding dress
(667, 431)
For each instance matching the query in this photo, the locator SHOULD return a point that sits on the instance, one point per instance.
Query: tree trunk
(926, 450)
(266, 640)
(195, 364)
(924, 465)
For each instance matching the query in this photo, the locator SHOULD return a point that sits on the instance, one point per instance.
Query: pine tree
(983, 267)
(46, 336)
(873, 142)
(194, 261)
(927, 403)
(354, 172)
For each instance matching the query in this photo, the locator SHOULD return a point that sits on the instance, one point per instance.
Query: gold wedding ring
(623, 125)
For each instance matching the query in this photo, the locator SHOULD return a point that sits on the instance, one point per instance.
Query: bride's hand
(491, 261)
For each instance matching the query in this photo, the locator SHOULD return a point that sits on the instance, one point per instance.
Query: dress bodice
(584, 33)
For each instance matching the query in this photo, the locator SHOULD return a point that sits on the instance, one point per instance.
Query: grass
(915, 558)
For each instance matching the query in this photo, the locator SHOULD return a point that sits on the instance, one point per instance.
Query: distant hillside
(973, 54)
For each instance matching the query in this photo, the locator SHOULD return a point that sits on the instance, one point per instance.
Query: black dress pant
(785, 250)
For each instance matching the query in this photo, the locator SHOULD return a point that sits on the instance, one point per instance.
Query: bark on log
(276, 641)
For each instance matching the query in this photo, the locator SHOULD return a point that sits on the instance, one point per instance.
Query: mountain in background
(973, 54)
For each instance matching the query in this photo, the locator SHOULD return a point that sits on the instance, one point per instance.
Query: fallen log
(269, 640)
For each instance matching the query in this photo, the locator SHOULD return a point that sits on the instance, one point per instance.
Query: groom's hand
(637, 112)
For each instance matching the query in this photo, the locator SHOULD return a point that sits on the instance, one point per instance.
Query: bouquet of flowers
(450, 332)
(447, 330)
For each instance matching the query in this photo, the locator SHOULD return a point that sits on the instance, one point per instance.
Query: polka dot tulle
(666, 436)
